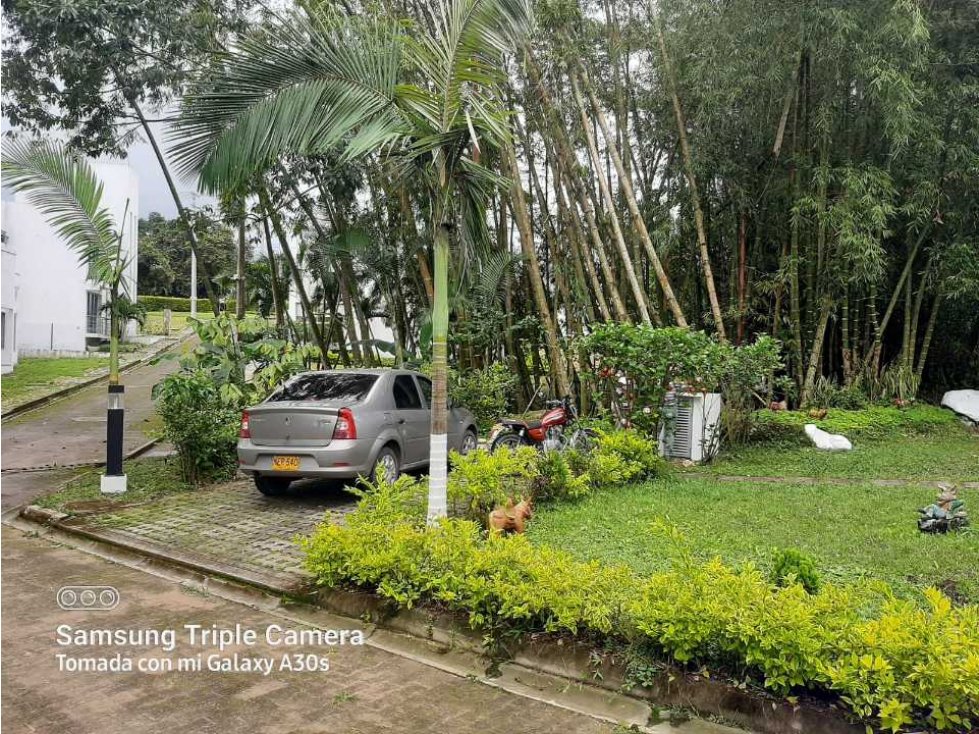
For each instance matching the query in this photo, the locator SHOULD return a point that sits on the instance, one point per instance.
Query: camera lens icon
(88, 598)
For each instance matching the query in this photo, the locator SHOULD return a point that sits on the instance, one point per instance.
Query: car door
(413, 419)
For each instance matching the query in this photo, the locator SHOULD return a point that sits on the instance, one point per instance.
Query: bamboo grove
(803, 170)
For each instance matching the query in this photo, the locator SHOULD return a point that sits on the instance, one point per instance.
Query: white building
(50, 307)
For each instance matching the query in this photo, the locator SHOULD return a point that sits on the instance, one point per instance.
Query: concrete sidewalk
(365, 690)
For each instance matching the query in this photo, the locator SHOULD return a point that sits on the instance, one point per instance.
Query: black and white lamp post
(114, 480)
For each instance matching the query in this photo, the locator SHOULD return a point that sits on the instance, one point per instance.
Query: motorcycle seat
(529, 425)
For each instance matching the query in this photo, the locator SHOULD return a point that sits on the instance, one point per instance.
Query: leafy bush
(181, 305)
(637, 365)
(828, 394)
(405, 497)
(873, 423)
(891, 661)
(480, 480)
(486, 392)
(620, 457)
(562, 475)
(791, 565)
(200, 424)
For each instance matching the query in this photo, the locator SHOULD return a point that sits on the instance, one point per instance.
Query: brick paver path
(232, 524)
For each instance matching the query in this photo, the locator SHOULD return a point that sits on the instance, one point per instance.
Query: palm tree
(66, 191)
(425, 100)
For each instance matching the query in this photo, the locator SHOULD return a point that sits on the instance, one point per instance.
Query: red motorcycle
(550, 433)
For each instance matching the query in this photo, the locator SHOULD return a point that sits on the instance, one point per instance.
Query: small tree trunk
(929, 331)
(742, 272)
(603, 186)
(698, 213)
(297, 275)
(240, 291)
(816, 355)
(439, 441)
(625, 186)
(277, 296)
(558, 366)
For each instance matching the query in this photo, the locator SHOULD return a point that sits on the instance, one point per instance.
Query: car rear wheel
(271, 486)
(386, 463)
(469, 442)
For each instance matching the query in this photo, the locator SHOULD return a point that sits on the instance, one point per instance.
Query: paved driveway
(232, 525)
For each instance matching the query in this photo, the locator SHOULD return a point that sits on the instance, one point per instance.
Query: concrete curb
(78, 386)
(566, 673)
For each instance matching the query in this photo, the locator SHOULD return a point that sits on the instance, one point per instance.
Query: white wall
(52, 286)
(8, 299)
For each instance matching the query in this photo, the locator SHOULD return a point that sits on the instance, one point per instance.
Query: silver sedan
(342, 424)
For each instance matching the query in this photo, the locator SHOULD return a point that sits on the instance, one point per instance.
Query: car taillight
(345, 427)
(244, 432)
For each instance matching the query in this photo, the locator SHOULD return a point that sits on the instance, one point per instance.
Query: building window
(3, 330)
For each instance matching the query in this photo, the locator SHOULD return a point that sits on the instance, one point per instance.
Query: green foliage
(791, 566)
(179, 305)
(487, 392)
(826, 393)
(147, 479)
(229, 346)
(873, 423)
(637, 365)
(405, 497)
(200, 423)
(884, 657)
(621, 457)
(562, 475)
(165, 259)
(480, 480)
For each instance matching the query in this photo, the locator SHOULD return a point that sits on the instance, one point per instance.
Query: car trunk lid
(296, 424)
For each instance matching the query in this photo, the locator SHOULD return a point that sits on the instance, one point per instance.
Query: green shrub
(791, 566)
(486, 392)
(182, 305)
(405, 497)
(873, 423)
(637, 365)
(480, 480)
(621, 457)
(891, 661)
(561, 475)
(202, 427)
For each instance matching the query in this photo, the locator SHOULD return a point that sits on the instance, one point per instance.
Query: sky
(154, 196)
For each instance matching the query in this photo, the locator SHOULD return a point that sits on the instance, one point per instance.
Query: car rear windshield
(342, 387)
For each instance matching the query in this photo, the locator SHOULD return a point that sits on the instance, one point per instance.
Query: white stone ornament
(827, 441)
(963, 402)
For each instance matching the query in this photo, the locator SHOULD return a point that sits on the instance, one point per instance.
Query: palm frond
(65, 189)
(307, 86)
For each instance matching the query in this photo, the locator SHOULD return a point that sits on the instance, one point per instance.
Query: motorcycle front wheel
(509, 440)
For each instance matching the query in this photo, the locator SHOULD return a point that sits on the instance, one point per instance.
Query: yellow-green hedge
(893, 662)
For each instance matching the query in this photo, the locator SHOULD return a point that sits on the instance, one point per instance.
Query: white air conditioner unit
(690, 426)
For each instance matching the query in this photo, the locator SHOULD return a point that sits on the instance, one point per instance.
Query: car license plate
(285, 463)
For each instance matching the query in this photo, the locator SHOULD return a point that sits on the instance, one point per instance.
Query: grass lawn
(854, 531)
(952, 454)
(35, 376)
(147, 479)
(179, 321)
